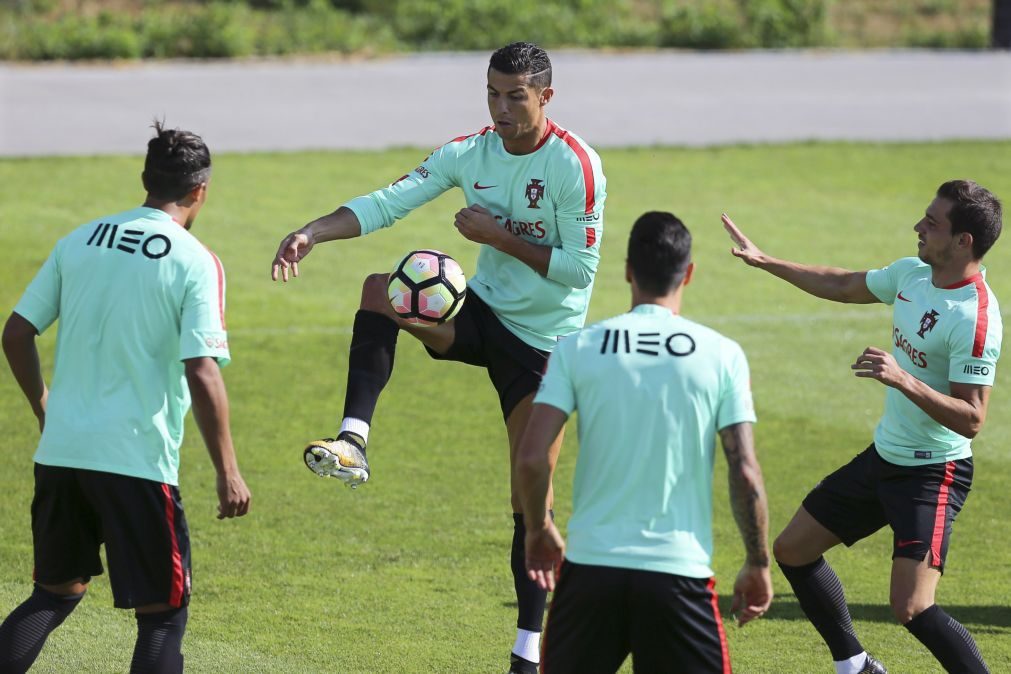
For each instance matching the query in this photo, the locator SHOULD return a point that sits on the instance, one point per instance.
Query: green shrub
(706, 27)
(785, 23)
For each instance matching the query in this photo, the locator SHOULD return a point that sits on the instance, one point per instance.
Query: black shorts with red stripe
(514, 367)
(601, 614)
(919, 503)
(141, 523)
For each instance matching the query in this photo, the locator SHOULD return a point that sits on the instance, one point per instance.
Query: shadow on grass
(987, 619)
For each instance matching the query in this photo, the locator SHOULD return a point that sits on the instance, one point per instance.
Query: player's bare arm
(23, 358)
(210, 409)
(545, 547)
(753, 587)
(829, 283)
(341, 224)
(477, 224)
(964, 411)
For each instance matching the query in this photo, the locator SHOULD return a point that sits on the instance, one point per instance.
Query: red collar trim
(549, 129)
(978, 276)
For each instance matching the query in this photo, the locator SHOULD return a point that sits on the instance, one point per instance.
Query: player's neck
(951, 274)
(672, 301)
(178, 213)
(528, 142)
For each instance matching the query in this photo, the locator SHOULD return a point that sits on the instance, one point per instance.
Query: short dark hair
(523, 58)
(659, 252)
(974, 210)
(176, 162)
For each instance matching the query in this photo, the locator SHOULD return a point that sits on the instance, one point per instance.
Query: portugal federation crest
(927, 323)
(534, 193)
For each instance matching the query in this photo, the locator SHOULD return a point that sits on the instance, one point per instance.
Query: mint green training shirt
(652, 389)
(553, 196)
(135, 294)
(939, 335)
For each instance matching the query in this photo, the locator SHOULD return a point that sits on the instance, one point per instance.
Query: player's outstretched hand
(233, 496)
(877, 364)
(292, 250)
(752, 593)
(545, 550)
(743, 248)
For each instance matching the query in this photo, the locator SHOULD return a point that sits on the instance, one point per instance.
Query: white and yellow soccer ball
(427, 287)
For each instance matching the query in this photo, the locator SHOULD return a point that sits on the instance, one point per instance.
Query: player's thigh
(921, 504)
(913, 586)
(66, 532)
(515, 426)
(844, 503)
(147, 540)
(587, 630)
(438, 338)
(675, 619)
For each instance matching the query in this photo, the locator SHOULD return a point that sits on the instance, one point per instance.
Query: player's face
(936, 245)
(516, 107)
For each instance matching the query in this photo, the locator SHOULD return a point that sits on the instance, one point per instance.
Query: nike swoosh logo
(903, 298)
(906, 544)
(478, 186)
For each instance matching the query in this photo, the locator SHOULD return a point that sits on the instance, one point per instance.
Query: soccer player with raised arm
(140, 303)
(653, 390)
(915, 476)
(535, 195)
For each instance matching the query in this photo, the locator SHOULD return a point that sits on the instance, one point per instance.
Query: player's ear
(545, 95)
(965, 240)
(197, 195)
(689, 270)
(628, 272)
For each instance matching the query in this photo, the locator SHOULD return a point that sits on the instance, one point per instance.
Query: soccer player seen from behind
(653, 390)
(535, 195)
(915, 476)
(142, 333)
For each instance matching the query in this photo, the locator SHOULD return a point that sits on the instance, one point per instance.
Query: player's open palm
(545, 549)
(752, 593)
(233, 496)
(743, 248)
(292, 250)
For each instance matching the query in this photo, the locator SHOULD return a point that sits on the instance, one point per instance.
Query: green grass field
(410, 573)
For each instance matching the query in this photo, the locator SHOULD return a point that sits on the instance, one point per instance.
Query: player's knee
(905, 608)
(783, 550)
(374, 296)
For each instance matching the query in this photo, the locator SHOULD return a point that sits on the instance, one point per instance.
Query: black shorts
(600, 614)
(919, 503)
(514, 367)
(141, 522)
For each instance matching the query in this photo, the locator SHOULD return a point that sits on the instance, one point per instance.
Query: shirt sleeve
(40, 304)
(580, 221)
(884, 283)
(974, 347)
(383, 207)
(556, 387)
(736, 404)
(202, 328)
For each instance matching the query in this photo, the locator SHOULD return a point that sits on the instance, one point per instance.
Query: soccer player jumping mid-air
(535, 195)
(915, 476)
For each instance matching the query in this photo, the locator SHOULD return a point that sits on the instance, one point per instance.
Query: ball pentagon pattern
(427, 287)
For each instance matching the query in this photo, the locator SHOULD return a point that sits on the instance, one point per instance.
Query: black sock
(821, 596)
(530, 599)
(159, 642)
(370, 363)
(948, 640)
(24, 632)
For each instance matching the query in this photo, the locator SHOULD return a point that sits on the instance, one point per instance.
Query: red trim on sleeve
(471, 135)
(939, 513)
(711, 586)
(584, 161)
(221, 287)
(982, 303)
(176, 588)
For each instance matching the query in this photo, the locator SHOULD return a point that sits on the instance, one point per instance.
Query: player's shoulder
(467, 142)
(909, 266)
(711, 337)
(569, 146)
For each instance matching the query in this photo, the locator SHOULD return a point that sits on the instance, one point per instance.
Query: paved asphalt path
(669, 98)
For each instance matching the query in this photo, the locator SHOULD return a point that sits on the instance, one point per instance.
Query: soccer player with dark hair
(142, 333)
(915, 476)
(535, 195)
(653, 390)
